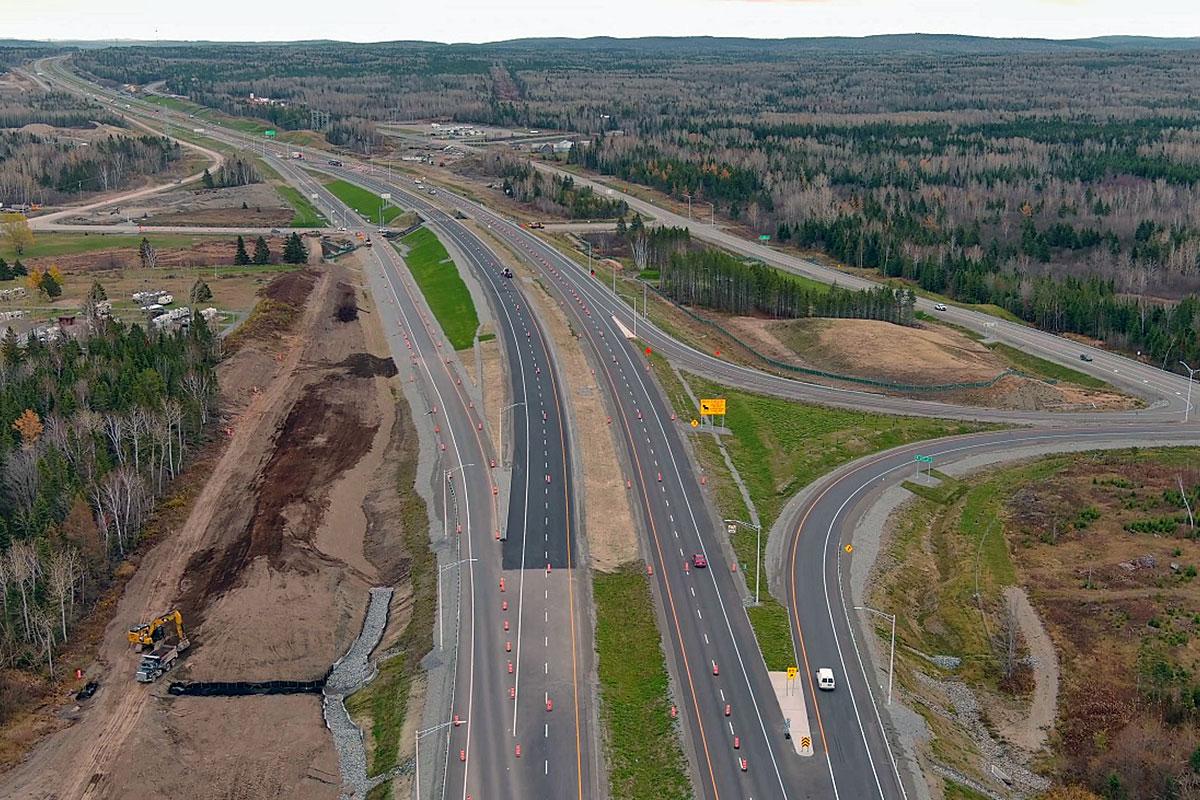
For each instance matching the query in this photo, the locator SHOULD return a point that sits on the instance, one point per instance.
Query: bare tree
(199, 386)
(24, 569)
(114, 428)
(121, 501)
(1186, 503)
(21, 477)
(641, 251)
(62, 574)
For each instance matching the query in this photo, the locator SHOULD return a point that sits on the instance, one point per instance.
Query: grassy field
(307, 215)
(642, 741)
(383, 703)
(442, 286)
(364, 201)
(62, 244)
(779, 447)
(1042, 368)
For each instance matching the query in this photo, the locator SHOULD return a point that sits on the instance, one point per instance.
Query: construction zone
(269, 567)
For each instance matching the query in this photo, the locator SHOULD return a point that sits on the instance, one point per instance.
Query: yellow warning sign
(695, 423)
(849, 548)
(792, 673)
(806, 741)
(714, 405)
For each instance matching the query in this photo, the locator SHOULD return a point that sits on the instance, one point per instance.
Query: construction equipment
(147, 634)
(160, 660)
(163, 655)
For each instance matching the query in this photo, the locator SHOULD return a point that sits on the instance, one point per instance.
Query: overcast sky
(491, 20)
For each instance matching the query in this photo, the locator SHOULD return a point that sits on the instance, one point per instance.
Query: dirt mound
(324, 435)
(365, 365)
(292, 288)
(878, 350)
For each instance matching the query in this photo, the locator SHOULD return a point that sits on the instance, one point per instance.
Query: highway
(1165, 391)
(712, 654)
(522, 650)
(826, 632)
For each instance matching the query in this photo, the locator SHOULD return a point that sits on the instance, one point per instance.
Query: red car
(699, 561)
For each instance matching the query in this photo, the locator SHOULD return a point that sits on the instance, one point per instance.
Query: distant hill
(933, 43)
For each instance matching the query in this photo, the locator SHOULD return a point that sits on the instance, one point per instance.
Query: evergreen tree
(209, 183)
(240, 257)
(19, 269)
(294, 251)
(50, 286)
(262, 253)
(147, 254)
(200, 293)
(5, 273)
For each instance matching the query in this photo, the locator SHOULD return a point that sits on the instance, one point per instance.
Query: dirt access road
(271, 569)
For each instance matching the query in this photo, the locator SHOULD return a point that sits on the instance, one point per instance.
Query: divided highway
(519, 635)
(713, 657)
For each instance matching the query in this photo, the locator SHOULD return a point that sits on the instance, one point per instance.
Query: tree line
(716, 280)
(95, 429)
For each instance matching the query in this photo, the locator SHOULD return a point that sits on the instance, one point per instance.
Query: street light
(1191, 377)
(441, 632)
(506, 408)
(892, 659)
(757, 551)
(446, 511)
(689, 199)
(417, 747)
(712, 213)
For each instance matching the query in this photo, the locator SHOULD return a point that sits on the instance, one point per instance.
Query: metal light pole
(757, 552)
(417, 748)
(689, 199)
(506, 408)
(445, 510)
(1191, 377)
(441, 631)
(712, 213)
(892, 658)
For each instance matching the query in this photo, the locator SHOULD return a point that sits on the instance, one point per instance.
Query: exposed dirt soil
(1030, 730)
(270, 569)
(920, 356)
(199, 206)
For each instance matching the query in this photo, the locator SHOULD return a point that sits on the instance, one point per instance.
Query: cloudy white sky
(490, 20)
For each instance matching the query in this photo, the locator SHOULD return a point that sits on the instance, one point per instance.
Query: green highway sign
(269, 133)
(766, 237)
(924, 459)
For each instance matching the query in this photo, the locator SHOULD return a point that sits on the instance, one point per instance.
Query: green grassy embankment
(364, 201)
(63, 244)
(779, 447)
(1041, 368)
(444, 289)
(646, 761)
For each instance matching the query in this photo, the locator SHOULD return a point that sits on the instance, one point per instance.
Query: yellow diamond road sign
(792, 673)
(695, 423)
(714, 405)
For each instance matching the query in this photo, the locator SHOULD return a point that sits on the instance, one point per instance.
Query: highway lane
(853, 720)
(825, 630)
(715, 660)
(1166, 388)
(533, 647)
(501, 749)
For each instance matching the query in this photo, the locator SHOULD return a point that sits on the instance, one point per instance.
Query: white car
(940, 307)
(825, 680)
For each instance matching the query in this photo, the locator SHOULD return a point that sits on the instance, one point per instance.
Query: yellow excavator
(147, 634)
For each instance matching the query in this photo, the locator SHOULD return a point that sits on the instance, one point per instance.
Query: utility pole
(892, 658)
(1191, 377)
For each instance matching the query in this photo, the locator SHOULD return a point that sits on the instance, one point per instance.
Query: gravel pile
(349, 674)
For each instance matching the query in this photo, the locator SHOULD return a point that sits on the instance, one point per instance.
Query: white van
(825, 679)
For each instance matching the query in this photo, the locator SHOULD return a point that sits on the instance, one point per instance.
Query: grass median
(444, 289)
(364, 201)
(646, 760)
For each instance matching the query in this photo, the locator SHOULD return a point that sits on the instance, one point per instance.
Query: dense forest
(550, 194)
(1054, 179)
(36, 168)
(716, 280)
(94, 429)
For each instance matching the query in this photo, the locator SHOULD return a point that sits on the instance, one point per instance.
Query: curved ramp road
(826, 632)
(713, 657)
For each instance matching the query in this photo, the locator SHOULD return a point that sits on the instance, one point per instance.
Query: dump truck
(161, 659)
